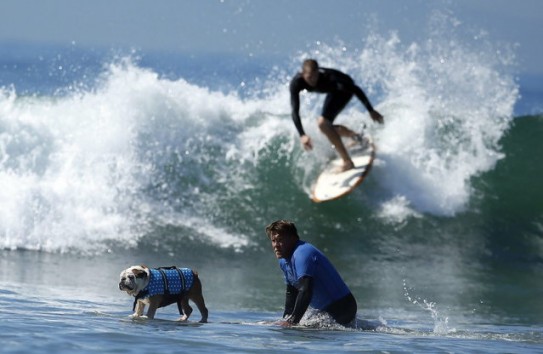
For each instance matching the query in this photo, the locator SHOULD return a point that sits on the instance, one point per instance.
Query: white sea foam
(102, 165)
(446, 103)
(75, 168)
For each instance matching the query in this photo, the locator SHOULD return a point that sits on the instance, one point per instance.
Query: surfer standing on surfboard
(339, 88)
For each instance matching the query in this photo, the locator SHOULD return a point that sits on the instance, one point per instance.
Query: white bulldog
(159, 287)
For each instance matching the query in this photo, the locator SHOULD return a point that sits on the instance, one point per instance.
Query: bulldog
(159, 287)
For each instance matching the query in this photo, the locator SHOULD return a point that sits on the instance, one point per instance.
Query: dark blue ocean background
(115, 157)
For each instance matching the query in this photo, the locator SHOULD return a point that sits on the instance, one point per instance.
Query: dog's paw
(135, 316)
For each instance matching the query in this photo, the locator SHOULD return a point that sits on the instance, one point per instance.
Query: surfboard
(331, 185)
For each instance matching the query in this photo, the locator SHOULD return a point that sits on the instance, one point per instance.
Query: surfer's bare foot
(345, 167)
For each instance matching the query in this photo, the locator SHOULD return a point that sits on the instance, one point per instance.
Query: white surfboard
(331, 185)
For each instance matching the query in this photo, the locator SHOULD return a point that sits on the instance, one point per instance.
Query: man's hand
(306, 142)
(284, 323)
(377, 117)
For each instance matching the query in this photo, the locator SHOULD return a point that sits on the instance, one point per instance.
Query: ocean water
(112, 159)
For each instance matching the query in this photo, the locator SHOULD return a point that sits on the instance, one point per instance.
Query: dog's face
(134, 279)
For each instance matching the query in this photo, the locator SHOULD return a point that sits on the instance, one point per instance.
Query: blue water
(111, 158)
(71, 304)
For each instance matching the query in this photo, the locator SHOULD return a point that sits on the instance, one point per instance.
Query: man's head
(283, 236)
(310, 72)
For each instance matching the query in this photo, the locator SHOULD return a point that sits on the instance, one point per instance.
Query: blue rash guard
(306, 260)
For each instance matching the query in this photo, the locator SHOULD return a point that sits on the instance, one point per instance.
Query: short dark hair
(282, 227)
(312, 63)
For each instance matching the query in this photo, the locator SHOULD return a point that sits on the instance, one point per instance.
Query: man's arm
(295, 105)
(290, 300)
(376, 116)
(362, 97)
(345, 82)
(302, 300)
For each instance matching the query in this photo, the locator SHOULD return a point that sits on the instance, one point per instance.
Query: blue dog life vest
(167, 281)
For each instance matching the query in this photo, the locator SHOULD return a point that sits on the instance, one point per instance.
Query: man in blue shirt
(310, 277)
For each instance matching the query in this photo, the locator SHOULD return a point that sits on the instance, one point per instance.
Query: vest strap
(165, 281)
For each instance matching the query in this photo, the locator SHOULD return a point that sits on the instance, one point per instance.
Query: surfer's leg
(345, 132)
(327, 128)
(356, 138)
(333, 105)
(343, 310)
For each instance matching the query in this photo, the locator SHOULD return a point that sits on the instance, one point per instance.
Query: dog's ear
(139, 273)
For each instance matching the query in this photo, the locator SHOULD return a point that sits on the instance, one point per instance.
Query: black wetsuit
(343, 311)
(339, 88)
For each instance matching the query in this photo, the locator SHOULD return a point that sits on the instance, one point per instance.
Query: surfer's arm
(303, 298)
(362, 97)
(337, 80)
(290, 300)
(359, 93)
(295, 105)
